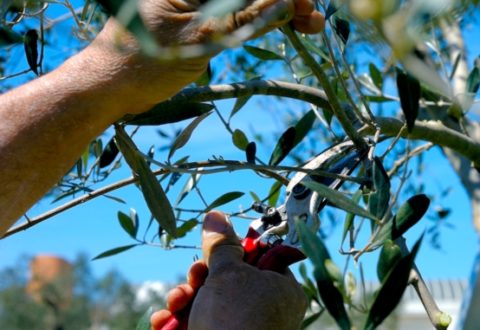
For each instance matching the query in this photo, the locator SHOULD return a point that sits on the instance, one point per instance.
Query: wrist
(113, 71)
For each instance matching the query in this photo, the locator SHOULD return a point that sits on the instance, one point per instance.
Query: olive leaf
(318, 254)
(409, 91)
(350, 216)
(338, 199)
(152, 191)
(274, 193)
(144, 322)
(128, 224)
(239, 104)
(186, 227)
(473, 80)
(109, 154)
(9, 37)
(262, 54)
(30, 44)
(378, 201)
(239, 139)
(114, 251)
(392, 289)
(284, 145)
(224, 199)
(376, 75)
(389, 256)
(292, 137)
(407, 215)
(187, 188)
(342, 28)
(251, 152)
(168, 112)
(185, 135)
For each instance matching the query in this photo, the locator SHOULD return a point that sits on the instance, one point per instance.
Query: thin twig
(224, 165)
(317, 70)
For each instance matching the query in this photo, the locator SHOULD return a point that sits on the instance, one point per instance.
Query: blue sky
(93, 227)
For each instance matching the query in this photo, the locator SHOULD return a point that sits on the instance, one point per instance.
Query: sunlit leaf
(239, 104)
(389, 256)
(114, 251)
(109, 154)
(189, 185)
(186, 227)
(239, 139)
(304, 126)
(262, 54)
(378, 201)
(407, 215)
(127, 224)
(224, 199)
(392, 289)
(379, 98)
(350, 216)
(338, 199)
(274, 193)
(284, 145)
(473, 80)
(292, 137)
(144, 322)
(254, 196)
(31, 49)
(168, 112)
(152, 191)
(376, 75)
(185, 135)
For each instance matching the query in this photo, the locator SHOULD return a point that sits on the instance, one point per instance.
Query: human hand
(138, 82)
(224, 292)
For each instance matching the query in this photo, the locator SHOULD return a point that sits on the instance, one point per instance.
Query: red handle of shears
(275, 258)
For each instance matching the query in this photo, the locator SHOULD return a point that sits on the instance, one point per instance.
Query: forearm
(45, 125)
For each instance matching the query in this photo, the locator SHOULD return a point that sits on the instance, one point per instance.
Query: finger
(220, 244)
(161, 320)
(197, 274)
(279, 257)
(179, 297)
(311, 24)
(304, 7)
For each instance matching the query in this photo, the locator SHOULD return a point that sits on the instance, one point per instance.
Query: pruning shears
(263, 245)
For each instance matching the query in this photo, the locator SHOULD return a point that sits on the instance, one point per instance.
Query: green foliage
(378, 201)
(332, 298)
(107, 301)
(224, 199)
(359, 94)
(409, 92)
(391, 291)
(292, 137)
(185, 135)
(152, 190)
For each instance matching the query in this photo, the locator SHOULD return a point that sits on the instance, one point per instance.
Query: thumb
(220, 244)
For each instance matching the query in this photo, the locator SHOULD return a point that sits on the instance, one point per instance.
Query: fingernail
(215, 222)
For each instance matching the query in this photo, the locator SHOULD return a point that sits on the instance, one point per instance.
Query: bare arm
(46, 124)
